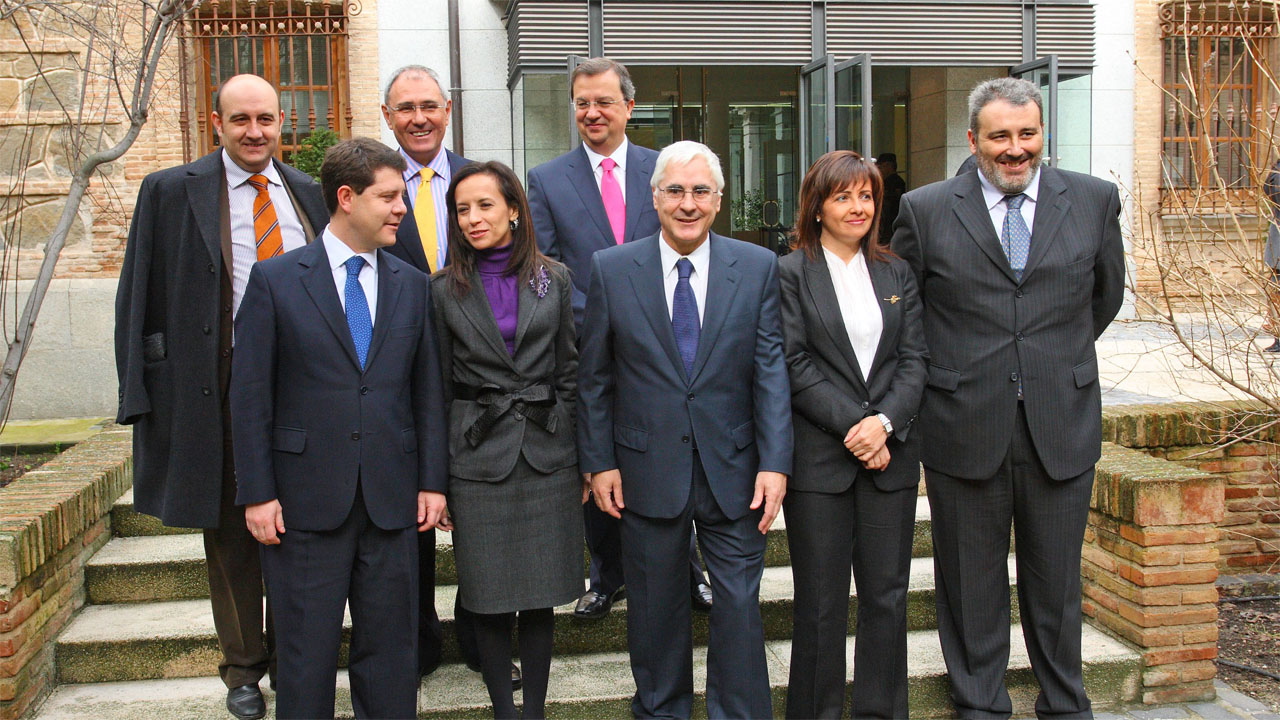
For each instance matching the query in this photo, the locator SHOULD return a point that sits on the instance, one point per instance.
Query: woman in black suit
(510, 362)
(851, 320)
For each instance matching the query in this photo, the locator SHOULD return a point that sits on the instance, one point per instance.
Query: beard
(1007, 184)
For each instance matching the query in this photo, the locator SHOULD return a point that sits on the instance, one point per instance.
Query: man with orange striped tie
(196, 232)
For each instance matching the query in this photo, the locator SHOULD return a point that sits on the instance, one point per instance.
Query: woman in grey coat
(509, 360)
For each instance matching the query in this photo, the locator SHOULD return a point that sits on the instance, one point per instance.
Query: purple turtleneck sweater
(502, 289)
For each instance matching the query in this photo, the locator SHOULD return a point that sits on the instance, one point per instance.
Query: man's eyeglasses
(603, 105)
(426, 108)
(676, 193)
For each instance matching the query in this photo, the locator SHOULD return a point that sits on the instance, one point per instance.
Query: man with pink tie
(593, 197)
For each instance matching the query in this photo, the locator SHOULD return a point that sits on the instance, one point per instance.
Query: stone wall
(52, 520)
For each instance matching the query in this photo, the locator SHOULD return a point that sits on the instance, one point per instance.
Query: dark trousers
(430, 632)
(604, 541)
(869, 531)
(311, 577)
(235, 587)
(659, 634)
(970, 548)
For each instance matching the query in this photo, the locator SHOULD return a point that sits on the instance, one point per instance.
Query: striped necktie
(266, 227)
(424, 214)
(1015, 236)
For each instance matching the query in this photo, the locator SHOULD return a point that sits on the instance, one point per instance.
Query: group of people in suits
(301, 389)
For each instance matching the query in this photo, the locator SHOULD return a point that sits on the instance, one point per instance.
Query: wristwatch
(884, 420)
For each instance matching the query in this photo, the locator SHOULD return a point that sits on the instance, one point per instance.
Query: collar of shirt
(857, 264)
(619, 156)
(439, 164)
(339, 252)
(237, 176)
(700, 257)
(994, 195)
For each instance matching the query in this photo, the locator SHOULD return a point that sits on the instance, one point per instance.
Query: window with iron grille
(299, 46)
(1218, 112)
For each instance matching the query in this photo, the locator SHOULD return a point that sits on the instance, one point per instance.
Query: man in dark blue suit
(684, 414)
(340, 428)
(415, 109)
(579, 203)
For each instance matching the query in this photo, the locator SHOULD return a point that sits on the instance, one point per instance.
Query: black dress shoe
(594, 605)
(1273, 347)
(246, 703)
(517, 681)
(701, 597)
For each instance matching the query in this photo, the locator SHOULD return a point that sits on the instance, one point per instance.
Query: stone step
(175, 638)
(149, 562)
(600, 685)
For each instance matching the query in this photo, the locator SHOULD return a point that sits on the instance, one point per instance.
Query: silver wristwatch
(884, 420)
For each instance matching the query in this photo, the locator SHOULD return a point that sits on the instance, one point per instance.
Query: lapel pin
(893, 300)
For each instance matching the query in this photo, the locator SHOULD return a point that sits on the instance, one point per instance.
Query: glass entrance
(853, 105)
(1043, 72)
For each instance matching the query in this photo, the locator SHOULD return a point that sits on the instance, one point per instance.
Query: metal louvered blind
(543, 33)
(1067, 31)
(924, 33)
(712, 33)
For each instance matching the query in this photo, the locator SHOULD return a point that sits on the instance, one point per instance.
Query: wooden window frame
(270, 21)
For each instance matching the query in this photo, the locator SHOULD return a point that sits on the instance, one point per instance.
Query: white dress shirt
(619, 156)
(439, 194)
(994, 198)
(859, 306)
(244, 241)
(701, 259)
(339, 253)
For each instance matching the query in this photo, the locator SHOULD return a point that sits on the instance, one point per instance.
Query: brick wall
(53, 520)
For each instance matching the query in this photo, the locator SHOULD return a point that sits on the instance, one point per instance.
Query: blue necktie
(684, 316)
(1015, 237)
(358, 309)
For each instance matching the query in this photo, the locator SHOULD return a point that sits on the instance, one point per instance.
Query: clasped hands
(265, 520)
(866, 440)
(606, 486)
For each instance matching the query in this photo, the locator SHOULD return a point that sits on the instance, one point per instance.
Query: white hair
(683, 153)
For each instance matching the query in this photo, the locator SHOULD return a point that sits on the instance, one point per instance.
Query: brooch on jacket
(892, 300)
(540, 281)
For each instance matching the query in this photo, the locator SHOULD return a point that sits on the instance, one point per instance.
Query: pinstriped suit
(990, 458)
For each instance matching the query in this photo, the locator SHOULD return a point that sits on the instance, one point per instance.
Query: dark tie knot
(354, 265)
(1015, 201)
(684, 267)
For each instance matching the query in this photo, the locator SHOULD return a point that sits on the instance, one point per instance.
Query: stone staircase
(144, 645)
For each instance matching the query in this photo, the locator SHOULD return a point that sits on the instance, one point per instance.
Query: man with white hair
(684, 414)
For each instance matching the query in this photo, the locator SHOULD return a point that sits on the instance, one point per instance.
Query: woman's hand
(879, 461)
(586, 487)
(866, 438)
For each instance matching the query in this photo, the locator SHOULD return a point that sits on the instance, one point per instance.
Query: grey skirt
(518, 542)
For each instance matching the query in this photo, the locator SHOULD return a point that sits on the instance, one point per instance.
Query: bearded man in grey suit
(1020, 267)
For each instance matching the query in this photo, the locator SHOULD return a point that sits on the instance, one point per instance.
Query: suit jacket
(175, 289)
(408, 245)
(828, 393)
(638, 411)
(569, 216)
(310, 424)
(474, 355)
(987, 332)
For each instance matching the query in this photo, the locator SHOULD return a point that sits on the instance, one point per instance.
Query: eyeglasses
(603, 105)
(676, 193)
(426, 108)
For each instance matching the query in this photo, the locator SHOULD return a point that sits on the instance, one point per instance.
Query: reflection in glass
(850, 99)
(1075, 122)
(545, 104)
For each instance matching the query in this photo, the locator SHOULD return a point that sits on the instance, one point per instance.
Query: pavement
(1229, 705)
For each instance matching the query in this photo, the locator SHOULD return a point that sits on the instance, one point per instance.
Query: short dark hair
(353, 163)
(599, 65)
(525, 256)
(830, 174)
(887, 158)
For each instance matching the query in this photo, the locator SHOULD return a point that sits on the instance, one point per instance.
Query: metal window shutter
(543, 33)
(1067, 31)
(709, 32)
(924, 33)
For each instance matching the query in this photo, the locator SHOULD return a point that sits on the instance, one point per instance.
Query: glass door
(817, 112)
(1043, 72)
(853, 105)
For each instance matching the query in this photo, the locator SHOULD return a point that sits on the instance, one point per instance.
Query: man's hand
(433, 511)
(265, 521)
(586, 487)
(866, 438)
(879, 461)
(770, 487)
(607, 487)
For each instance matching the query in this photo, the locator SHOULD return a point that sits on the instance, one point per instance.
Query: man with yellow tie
(416, 111)
(196, 232)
